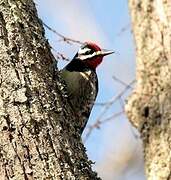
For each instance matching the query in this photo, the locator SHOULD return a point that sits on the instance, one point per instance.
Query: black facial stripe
(87, 52)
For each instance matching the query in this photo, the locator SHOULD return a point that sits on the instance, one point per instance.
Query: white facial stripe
(85, 75)
(83, 57)
(83, 51)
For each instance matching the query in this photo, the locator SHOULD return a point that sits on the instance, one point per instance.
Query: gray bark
(149, 107)
(37, 135)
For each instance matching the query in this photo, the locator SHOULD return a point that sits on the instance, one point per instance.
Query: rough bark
(149, 107)
(37, 135)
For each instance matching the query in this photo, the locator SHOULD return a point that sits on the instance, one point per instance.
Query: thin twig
(121, 82)
(62, 56)
(63, 38)
(114, 99)
(98, 123)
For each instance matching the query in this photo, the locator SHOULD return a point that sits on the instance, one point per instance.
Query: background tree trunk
(149, 108)
(37, 138)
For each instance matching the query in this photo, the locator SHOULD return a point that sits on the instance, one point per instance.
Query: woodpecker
(82, 81)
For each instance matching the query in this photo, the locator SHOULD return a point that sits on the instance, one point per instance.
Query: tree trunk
(149, 107)
(37, 135)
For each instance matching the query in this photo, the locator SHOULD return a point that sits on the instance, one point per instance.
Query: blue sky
(108, 24)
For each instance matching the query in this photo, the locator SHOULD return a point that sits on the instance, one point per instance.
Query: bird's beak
(104, 52)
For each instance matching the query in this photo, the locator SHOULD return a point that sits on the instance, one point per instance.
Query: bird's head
(91, 54)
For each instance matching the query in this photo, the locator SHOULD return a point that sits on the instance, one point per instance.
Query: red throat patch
(93, 63)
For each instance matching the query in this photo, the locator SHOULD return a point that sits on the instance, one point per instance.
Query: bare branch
(121, 82)
(62, 56)
(98, 123)
(114, 99)
(63, 38)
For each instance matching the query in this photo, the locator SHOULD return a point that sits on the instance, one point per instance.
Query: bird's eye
(89, 52)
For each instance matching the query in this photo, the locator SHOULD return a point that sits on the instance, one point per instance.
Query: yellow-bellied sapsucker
(81, 80)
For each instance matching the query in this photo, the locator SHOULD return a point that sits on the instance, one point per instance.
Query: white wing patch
(86, 75)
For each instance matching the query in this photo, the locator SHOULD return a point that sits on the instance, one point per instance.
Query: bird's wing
(82, 89)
